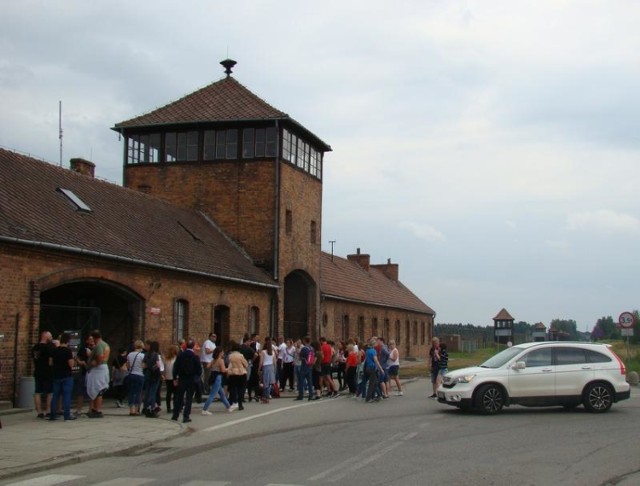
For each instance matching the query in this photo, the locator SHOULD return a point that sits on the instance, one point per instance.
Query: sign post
(626, 321)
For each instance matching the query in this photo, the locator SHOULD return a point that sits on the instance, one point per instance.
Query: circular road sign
(626, 320)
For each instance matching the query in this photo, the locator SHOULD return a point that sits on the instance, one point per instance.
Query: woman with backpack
(152, 366)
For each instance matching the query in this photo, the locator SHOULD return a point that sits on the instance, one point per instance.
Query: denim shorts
(443, 371)
(393, 370)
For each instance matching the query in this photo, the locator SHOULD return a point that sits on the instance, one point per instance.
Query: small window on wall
(313, 236)
(288, 222)
(180, 319)
(398, 332)
(415, 332)
(345, 327)
(423, 330)
(374, 327)
(254, 320)
(385, 330)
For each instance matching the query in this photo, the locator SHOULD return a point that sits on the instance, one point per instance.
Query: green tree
(607, 329)
(568, 326)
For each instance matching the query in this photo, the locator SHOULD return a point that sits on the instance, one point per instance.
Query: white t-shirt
(282, 350)
(204, 356)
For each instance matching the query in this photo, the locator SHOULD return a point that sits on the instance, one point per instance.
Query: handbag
(125, 382)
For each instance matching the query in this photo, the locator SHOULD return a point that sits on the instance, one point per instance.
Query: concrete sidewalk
(29, 444)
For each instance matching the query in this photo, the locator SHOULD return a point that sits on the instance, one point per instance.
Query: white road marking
(206, 483)
(362, 459)
(127, 481)
(260, 415)
(47, 480)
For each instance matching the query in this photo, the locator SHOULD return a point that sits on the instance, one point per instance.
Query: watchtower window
(181, 146)
(143, 149)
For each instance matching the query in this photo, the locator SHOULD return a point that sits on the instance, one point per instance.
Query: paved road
(404, 440)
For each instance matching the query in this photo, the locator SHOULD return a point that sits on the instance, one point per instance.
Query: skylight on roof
(77, 202)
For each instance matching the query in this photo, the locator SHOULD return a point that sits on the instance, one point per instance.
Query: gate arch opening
(299, 292)
(81, 306)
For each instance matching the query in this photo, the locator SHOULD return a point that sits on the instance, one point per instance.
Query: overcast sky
(490, 148)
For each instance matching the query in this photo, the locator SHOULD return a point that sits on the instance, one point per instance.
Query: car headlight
(464, 379)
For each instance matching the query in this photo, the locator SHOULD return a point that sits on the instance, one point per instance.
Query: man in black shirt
(43, 376)
(62, 363)
(186, 372)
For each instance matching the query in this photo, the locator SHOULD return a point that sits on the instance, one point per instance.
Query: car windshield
(501, 358)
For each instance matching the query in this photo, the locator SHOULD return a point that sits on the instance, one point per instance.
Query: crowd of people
(230, 375)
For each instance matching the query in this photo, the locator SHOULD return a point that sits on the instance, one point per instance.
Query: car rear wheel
(489, 399)
(597, 398)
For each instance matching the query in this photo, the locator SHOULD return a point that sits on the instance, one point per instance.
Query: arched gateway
(299, 299)
(83, 305)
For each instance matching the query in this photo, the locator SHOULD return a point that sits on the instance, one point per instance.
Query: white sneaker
(399, 394)
(206, 412)
(232, 408)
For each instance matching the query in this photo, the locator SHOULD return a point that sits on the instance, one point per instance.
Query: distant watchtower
(503, 327)
(254, 170)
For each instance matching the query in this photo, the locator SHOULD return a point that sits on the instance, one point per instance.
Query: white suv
(540, 374)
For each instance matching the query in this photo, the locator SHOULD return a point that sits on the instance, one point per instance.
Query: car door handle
(547, 370)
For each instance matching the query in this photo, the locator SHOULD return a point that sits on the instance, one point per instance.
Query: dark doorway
(298, 289)
(86, 305)
(221, 325)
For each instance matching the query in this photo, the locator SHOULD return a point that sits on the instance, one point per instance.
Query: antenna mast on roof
(332, 243)
(60, 128)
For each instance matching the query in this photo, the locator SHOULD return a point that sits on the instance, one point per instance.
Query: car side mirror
(520, 365)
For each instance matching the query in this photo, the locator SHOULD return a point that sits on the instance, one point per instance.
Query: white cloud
(423, 231)
(474, 126)
(603, 221)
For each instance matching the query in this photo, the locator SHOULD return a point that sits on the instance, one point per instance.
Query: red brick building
(217, 228)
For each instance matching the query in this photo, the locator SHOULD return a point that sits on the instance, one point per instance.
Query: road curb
(93, 453)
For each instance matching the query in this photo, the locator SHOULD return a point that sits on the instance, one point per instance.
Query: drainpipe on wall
(276, 242)
(14, 398)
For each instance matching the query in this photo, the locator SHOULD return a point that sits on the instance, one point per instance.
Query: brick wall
(26, 272)
(239, 196)
(414, 343)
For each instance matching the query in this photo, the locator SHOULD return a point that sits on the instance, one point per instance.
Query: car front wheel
(489, 399)
(597, 398)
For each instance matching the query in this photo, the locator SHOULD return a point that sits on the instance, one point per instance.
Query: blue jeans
(150, 391)
(62, 386)
(216, 389)
(372, 378)
(305, 379)
(134, 389)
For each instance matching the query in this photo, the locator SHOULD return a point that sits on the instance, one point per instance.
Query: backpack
(308, 356)
(151, 368)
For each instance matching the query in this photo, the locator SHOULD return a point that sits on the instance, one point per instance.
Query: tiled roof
(224, 100)
(122, 224)
(503, 315)
(346, 280)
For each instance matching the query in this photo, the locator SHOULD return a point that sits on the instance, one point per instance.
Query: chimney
(82, 166)
(360, 259)
(391, 270)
